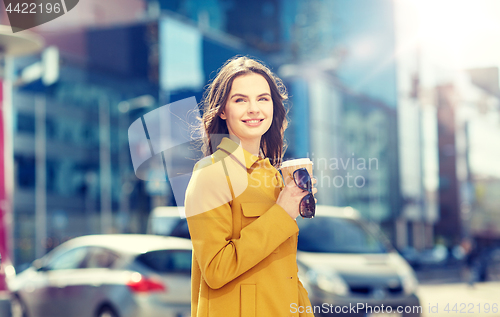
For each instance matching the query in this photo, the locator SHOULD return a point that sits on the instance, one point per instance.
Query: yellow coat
(245, 245)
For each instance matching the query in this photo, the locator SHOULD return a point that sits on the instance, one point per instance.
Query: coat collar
(242, 156)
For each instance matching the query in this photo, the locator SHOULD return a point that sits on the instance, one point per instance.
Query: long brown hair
(213, 128)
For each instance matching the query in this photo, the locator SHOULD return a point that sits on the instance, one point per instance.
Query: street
(460, 299)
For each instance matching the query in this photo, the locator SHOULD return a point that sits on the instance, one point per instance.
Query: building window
(50, 128)
(25, 123)
(51, 175)
(25, 171)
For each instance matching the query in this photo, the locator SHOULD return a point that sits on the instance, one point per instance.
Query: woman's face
(249, 108)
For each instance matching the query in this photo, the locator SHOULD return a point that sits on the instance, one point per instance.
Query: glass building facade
(342, 83)
(69, 148)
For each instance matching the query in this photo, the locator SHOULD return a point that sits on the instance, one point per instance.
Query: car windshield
(336, 235)
(163, 225)
(167, 261)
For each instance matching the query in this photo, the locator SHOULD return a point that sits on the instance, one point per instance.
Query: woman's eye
(239, 100)
(263, 99)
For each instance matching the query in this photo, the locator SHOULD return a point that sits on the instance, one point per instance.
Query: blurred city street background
(396, 102)
(434, 299)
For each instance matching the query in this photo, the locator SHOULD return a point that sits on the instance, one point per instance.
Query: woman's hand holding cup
(290, 197)
(297, 174)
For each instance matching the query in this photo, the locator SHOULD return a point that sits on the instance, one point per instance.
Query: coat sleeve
(209, 215)
(304, 302)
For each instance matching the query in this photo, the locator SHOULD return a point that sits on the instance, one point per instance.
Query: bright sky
(459, 33)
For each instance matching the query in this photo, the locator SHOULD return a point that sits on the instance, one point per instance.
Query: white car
(116, 275)
(168, 221)
(344, 262)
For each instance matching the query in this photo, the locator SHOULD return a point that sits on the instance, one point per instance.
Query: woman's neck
(252, 146)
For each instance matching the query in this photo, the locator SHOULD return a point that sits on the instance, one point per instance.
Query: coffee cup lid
(301, 161)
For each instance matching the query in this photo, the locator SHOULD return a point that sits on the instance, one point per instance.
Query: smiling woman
(243, 227)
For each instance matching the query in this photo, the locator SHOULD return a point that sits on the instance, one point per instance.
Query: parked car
(344, 262)
(168, 221)
(115, 275)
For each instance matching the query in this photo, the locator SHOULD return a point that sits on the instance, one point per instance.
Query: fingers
(315, 190)
(294, 190)
(289, 181)
(290, 196)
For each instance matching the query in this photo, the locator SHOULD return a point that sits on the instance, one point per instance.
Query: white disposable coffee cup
(288, 167)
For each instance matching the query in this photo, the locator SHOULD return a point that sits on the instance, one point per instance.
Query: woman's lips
(253, 122)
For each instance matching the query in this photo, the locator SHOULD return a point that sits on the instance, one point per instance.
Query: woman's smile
(253, 122)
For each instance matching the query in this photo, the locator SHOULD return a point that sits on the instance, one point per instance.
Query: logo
(25, 14)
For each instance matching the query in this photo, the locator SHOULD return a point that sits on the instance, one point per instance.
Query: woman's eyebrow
(239, 95)
(245, 96)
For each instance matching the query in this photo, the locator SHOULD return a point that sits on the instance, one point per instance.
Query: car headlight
(410, 282)
(328, 281)
(10, 271)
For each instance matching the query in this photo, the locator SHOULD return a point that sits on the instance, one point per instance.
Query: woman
(240, 215)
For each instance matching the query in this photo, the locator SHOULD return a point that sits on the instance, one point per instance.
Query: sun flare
(452, 32)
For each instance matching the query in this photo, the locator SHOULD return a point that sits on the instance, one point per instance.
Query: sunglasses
(303, 180)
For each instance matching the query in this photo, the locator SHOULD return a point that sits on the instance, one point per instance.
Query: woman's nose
(253, 107)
